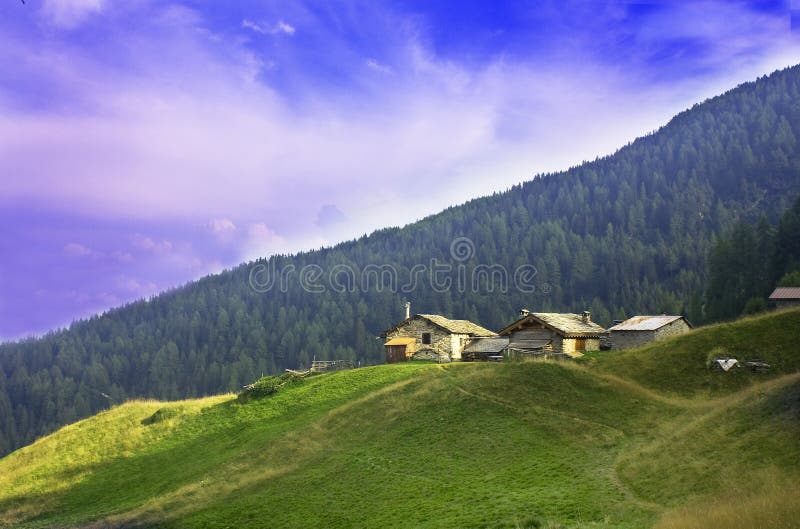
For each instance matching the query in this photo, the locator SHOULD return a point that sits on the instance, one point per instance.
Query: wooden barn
(550, 333)
(431, 337)
(640, 330)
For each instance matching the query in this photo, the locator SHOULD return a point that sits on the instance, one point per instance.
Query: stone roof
(457, 326)
(645, 323)
(492, 344)
(567, 324)
(785, 293)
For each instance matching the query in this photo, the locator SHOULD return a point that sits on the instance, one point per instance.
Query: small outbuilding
(552, 333)
(430, 337)
(485, 349)
(640, 330)
(785, 297)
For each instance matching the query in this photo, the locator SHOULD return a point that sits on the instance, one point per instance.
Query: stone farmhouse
(639, 330)
(430, 337)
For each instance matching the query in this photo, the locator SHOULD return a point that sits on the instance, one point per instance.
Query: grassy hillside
(605, 444)
(680, 366)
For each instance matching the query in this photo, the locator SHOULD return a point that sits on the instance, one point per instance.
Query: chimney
(586, 316)
(408, 309)
(524, 312)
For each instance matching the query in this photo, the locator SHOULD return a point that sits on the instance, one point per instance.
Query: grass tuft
(163, 414)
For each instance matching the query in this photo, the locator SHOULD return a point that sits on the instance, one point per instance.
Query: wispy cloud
(220, 226)
(147, 244)
(70, 13)
(374, 65)
(262, 241)
(269, 29)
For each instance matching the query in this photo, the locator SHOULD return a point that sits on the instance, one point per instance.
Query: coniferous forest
(625, 234)
(746, 264)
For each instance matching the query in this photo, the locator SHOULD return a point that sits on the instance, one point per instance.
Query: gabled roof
(646, 323)
(451, 326)
(785, 293)
(567, 324)
(492, 344)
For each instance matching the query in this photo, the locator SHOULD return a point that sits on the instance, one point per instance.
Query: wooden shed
(429, 336)
(399, 349)
(640, 330)
(551, 333)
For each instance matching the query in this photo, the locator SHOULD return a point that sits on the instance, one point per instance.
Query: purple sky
(147, 143)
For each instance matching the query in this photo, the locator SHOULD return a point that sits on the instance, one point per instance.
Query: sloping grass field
(646, 438)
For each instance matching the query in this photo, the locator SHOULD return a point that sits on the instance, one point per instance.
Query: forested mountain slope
(625, 234)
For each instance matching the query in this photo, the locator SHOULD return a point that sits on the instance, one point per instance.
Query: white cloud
(269, 29)
(262, 241)
(374, 65)
(285, 28)
(221, 226)
(70, 13)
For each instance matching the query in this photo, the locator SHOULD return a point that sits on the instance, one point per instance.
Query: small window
(426, 338)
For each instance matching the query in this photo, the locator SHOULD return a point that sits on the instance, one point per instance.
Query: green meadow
(632, 439)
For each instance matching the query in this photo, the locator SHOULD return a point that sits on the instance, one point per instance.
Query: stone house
(785, 297)
(431, 337)
(550, 333)
(640, 330)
